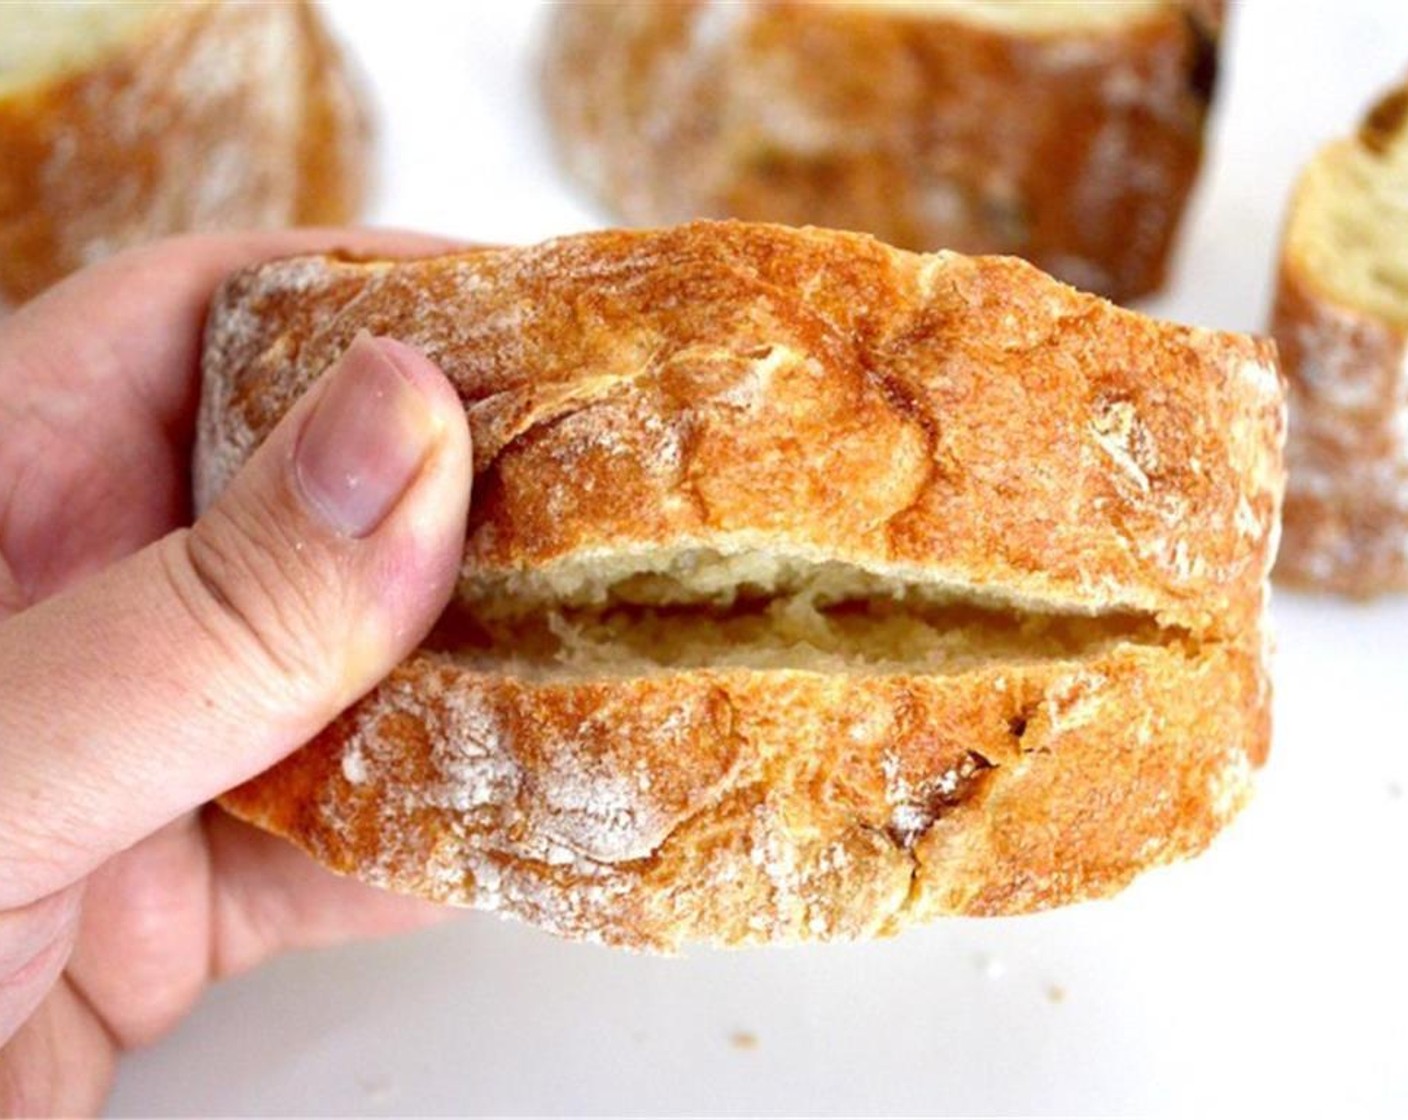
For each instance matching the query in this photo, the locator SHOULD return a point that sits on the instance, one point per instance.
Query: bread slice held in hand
(811, 588)
(1341, 320)
(124, 122)
(1069, 134)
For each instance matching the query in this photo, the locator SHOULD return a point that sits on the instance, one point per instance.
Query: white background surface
(1269, 977)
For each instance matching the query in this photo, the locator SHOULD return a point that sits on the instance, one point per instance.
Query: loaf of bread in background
(1341, 320)
(1066, 133)
(124, 122)
(811, 588)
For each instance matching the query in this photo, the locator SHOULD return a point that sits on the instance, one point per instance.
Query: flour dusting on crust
(1076, 151)
(211, 116)
(640, 399)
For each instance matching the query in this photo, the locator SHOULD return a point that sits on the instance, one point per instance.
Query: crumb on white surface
(378, 1087)
(990, 966)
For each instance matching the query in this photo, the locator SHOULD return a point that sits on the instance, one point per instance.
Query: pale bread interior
(1023, 15)
(746, 565)
(1349, 225)
(44, 39)
(755, 609)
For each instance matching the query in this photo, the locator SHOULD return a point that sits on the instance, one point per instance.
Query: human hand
(146, 667)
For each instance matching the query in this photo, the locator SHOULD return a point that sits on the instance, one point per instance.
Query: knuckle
(234, 576)
(30, 932)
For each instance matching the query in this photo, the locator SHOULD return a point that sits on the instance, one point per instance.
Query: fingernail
(366, 440)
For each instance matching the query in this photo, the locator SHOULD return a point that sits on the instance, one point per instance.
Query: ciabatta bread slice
(1341, 319)
(124, 122)
(1066, 133)
(811, 587)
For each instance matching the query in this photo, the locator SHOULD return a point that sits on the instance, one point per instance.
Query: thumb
(209, 655)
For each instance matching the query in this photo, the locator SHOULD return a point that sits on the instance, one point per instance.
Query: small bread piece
(1069, 134)
(812, 588)
(124, 122)
(1341, 320)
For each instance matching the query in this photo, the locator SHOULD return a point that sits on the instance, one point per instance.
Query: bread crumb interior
(1350, 224)
(1022, 15)
(43, 39)
(753, 609)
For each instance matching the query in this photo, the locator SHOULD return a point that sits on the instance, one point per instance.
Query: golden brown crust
(742, 806)
(334, 149)
(965, 422)
(219, 115)
(1346, 511)
(1075, 148)
(653, 389)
